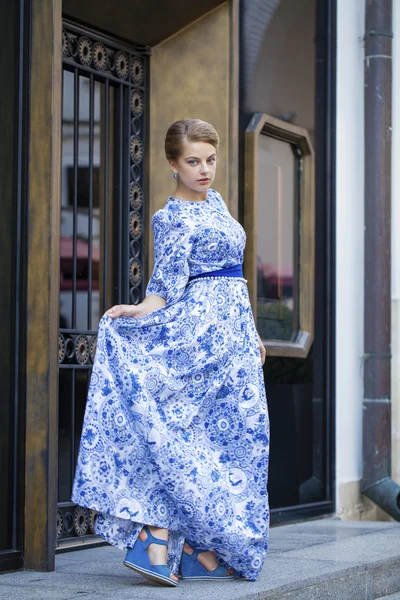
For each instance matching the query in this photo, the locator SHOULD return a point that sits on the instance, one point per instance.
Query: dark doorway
(293, 79)
(13, 147)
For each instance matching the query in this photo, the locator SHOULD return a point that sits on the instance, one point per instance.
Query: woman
(175, 440)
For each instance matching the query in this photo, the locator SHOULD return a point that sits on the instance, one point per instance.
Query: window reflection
(277, 240)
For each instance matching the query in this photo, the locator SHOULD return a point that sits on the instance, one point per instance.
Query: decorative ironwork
(77, 348)
(136, 126)
(135, 248)
(110, 60)
(92, 517)
(85, 51)
(89, 48)
(121, 65)
(61, 348)
(68, 522)
(137, 71)
(135, 272)
(82, 349)
(72, 47)
(65, 49)
(134, 295)
(137, 103)
(69, 349)
(135, 225)
(93, 345)
(60, 524)
(105, 83)
(135, 173)
(75, 521)
(81, 521)
(99, 56)
(135, 196)
(136, 150)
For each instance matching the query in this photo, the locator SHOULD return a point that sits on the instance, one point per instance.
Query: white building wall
(349, 255)
(350, 503)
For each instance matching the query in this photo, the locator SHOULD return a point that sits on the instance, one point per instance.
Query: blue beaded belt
(234, 271)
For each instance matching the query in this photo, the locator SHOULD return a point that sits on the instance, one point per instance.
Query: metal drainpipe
(377, 483)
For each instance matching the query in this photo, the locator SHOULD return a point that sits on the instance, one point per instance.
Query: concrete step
(325, 559)
(334, 559)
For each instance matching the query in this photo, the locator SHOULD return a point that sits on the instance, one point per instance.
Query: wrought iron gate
(102, 216)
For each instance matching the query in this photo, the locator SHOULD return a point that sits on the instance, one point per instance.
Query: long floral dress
(176, 428)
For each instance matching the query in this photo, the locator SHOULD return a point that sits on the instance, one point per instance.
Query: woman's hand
(263, 352)
(125, 310)
(150, 303)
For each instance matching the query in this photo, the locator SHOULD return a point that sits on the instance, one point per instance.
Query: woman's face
(196, 165)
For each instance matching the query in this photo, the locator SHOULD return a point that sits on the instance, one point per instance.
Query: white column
(349, 255)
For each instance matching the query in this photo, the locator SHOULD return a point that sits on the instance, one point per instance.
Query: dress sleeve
(171, 253)
(221, 202)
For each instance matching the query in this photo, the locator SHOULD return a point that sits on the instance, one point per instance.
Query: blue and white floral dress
(176, 428)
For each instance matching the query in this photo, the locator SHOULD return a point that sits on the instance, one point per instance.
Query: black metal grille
(102, 216)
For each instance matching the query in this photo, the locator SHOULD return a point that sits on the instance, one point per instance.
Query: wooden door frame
(42, 284)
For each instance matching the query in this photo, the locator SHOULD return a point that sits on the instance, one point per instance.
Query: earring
(175, 175)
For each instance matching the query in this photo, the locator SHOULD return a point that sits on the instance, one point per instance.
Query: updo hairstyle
(192, 130)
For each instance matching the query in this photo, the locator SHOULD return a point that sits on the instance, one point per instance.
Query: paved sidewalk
(326, 559)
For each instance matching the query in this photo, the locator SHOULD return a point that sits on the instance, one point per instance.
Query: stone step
(366, 582)
(325, 559)
(333, 559)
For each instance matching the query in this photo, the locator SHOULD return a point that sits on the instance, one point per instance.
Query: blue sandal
(191, 568)
(138, 560)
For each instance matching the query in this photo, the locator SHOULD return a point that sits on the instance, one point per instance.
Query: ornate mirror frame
(262, 124)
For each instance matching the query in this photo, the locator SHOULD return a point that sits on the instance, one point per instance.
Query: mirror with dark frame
(279, 258)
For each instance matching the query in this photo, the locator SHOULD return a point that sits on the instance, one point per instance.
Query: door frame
(42, 284)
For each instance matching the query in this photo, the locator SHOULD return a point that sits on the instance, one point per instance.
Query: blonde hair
(192, 130)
